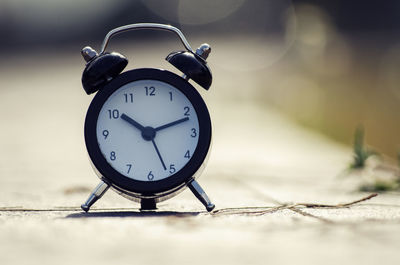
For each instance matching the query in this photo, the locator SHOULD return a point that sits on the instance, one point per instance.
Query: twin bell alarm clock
(147, 130)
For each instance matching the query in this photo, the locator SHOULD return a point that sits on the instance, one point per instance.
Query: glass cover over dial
(147, 130)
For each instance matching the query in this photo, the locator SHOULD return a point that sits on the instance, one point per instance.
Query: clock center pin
(148, 133)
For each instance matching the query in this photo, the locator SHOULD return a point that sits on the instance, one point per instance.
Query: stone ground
(261, 165)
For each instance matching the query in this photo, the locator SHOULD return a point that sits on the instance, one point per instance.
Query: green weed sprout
(361, 153)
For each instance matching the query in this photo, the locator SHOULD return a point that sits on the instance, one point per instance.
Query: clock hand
(148, 133)
(132, 122)
(159, 155)
(171, 124)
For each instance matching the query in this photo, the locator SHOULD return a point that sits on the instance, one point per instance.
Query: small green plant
(361, 153)
(380, 186)
(380, 181)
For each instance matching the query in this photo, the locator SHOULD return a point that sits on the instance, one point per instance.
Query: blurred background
(327, 65)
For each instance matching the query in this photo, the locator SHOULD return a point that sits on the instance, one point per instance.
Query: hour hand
(132, 122)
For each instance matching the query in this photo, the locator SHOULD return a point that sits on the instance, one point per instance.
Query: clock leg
(96, 194)
(148, 205)
(201, 195)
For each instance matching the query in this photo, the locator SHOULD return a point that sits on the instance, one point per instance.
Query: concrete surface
(261, 162)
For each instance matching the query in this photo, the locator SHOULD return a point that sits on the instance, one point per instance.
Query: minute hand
(171, 124)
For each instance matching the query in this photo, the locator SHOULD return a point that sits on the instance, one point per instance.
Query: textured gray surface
(259, 159)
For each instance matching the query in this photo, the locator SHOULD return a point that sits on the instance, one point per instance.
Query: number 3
(194, 133)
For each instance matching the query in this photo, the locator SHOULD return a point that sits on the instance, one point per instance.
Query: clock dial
(147, 130)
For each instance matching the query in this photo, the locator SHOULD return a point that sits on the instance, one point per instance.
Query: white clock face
(147, 130)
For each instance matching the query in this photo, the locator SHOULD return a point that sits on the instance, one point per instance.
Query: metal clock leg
(96, 194)
(201, 195)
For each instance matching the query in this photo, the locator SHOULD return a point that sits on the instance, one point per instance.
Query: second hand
(159, 155)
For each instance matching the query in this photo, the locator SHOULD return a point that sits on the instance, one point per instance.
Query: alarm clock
(147, 131)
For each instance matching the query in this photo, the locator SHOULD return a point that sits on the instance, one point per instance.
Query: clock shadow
(135, 214)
